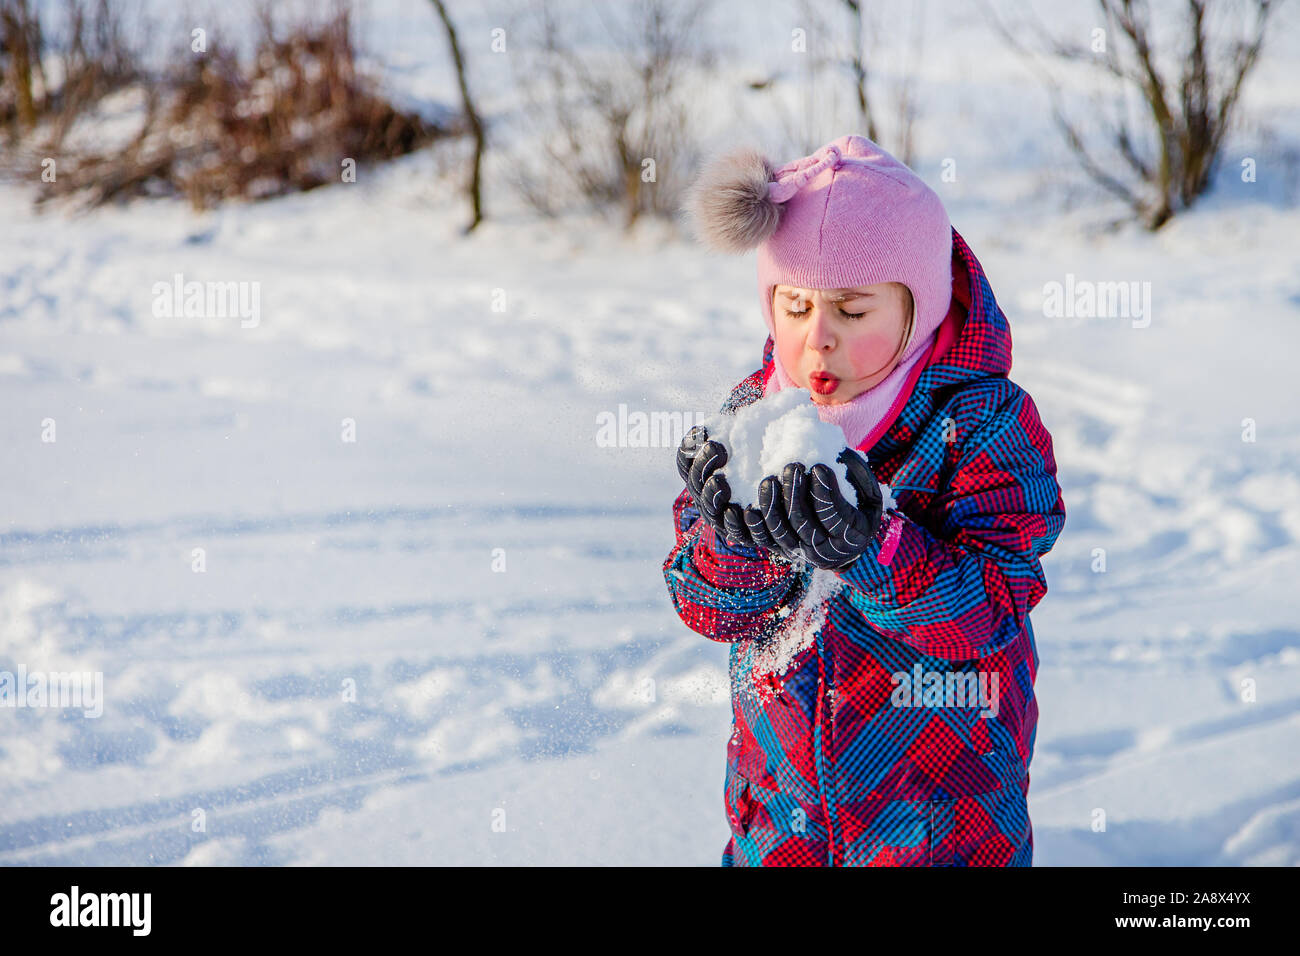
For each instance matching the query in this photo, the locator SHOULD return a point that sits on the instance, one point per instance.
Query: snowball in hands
(765, 436)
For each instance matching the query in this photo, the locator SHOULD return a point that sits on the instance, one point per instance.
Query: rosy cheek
(788, 348)
(870, 352)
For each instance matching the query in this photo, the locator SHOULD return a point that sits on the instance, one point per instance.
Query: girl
(882, 659)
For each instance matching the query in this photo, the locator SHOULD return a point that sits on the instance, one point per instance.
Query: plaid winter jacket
(884, 715)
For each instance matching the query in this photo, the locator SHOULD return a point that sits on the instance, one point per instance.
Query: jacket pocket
(744, 753)
(740, 803)
(986, 829)
(923, 822)
(967, 774)
(987, 826)
(942, 826)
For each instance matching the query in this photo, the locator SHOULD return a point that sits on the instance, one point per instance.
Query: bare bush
(20, 64)
(286, 120)
(849, 47)
(613, 124)
(91, 56)
(1162, 159)
(214, 125)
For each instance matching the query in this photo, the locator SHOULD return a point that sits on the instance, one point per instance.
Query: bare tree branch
(1188, 116)
(475, 186)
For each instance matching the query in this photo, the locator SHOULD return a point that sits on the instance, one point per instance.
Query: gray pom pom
(728, 204)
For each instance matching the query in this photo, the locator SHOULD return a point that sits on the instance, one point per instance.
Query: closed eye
(801, 314)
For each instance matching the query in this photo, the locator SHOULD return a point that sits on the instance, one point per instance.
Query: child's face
(850, 339)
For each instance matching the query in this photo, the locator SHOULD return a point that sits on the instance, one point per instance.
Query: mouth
(823, 383)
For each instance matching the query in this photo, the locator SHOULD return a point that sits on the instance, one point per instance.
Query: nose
(821, 331)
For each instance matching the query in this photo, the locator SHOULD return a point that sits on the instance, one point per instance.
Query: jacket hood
(972, 342)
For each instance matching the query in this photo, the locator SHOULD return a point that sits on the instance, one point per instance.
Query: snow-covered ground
(449, 640)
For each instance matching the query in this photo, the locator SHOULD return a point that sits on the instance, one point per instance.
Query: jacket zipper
(818, 725)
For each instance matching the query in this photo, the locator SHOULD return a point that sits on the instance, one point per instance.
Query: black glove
(688, 454)
(768, 524)
(829, 531)
(697, 461)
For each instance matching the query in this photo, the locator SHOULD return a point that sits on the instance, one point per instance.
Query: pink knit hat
(848, 215)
